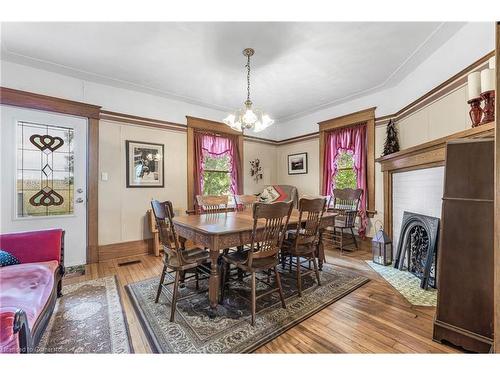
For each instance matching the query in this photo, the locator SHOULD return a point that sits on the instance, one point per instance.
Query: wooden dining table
(219, 231)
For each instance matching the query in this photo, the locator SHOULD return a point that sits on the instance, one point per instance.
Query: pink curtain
(215, 145)
(351, 139)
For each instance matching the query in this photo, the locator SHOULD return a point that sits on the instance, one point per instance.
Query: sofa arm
(35, 246)
(22, 329)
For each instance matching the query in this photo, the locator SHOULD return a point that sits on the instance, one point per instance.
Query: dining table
(223, 230)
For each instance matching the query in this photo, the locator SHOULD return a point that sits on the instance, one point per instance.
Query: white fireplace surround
(419, 191)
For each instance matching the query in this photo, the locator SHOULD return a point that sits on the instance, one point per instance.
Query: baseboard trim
(125, 249)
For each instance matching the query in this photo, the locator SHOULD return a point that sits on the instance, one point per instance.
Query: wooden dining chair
(245, 202)
(345, 202)
(302, 243)
(207, 204)
(179, 260)
(269, 225)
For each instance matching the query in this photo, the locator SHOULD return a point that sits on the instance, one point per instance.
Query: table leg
(213, 283)
(182, 244)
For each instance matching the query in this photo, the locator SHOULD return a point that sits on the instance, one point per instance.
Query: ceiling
(297, 68)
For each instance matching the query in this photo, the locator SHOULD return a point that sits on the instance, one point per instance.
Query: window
(346, 173)
(216, 175)
(45, 157)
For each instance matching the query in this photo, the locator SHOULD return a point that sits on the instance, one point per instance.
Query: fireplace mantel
(426, 155)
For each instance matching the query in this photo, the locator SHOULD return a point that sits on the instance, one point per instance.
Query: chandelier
(248, 117)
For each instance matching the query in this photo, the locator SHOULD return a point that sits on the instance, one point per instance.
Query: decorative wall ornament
(255, 170)
(391, 144)
(145, 164)
(297, 163)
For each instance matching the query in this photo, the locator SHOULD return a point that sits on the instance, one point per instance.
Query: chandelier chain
(248, 77)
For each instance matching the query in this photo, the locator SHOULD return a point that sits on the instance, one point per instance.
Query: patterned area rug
(197, 329)
(88, 318)
(407, 284)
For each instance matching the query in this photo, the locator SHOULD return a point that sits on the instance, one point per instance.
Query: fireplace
(417, 247)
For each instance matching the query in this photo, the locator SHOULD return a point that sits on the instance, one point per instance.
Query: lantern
(382, 248)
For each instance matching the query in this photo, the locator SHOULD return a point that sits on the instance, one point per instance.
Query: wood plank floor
(375, 318)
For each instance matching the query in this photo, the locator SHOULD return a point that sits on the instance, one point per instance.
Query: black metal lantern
(382, 248)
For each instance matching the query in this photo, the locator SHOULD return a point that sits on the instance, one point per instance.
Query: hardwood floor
(373, 319)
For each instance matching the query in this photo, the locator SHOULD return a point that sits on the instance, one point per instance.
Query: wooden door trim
(31, 100)
(365, 116)
(496, 249)
(196, 123)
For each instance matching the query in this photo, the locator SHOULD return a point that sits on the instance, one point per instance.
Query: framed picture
(145, 165)
(297, 163)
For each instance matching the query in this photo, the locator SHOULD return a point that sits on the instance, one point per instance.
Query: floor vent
(130, 262)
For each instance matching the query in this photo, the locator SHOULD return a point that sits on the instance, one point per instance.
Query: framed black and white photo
(297, 163)
(144, 164)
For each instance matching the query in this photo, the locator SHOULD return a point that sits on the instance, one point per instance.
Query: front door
(43, 169)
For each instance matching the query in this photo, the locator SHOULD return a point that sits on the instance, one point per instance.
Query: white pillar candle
(491, 63)
(487, 80)
(474, 85)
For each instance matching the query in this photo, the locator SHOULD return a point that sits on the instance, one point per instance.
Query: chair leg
(174, 295)
(316, 270)
(354, 238)
(268, 276)
(197, 277)
(253, 299)
(290, 263)
(162, 279)
(280, 289)
(299, 278)
(283, 260)
(341, 240)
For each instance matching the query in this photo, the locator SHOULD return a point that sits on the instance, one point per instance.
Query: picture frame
(145, 164)
(297, 163)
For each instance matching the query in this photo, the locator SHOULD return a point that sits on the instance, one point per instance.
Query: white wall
(307, 184)
(418, 191)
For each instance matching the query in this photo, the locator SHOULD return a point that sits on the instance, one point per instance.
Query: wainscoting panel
(418, 191)
(125, 249)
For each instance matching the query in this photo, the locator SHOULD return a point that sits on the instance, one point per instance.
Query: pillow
(7, 259)
(273, 194)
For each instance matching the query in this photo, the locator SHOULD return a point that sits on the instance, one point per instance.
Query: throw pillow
(7, 259)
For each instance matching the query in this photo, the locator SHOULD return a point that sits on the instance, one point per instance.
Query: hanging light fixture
(248, 117)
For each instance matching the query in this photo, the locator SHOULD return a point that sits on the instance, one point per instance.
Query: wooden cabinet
(464, 315)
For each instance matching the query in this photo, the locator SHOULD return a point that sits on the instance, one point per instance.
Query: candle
(487, 80)
(474, 85)
(491, 63)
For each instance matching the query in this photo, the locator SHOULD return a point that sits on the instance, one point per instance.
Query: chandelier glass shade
(248, 117)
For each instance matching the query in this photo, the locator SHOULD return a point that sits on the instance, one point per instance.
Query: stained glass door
(44, 155)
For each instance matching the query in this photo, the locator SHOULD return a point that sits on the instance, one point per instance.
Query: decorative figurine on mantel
(391, 144)
(256, 170)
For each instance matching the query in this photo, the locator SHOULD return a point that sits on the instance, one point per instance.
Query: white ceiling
(297, 68)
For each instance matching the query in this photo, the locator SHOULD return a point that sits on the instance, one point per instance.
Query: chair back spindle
(245, 202)
(267, 240)
(208, 204)
(310, 209)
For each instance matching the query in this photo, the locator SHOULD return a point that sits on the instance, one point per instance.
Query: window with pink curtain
(216, 164)
(351, 139)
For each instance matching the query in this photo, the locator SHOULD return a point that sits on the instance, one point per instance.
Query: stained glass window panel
(44, 170)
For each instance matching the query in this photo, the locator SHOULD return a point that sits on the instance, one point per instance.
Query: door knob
(79, 200)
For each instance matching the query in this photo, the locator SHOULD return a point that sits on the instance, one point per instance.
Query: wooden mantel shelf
(426, 155)
(431, 153)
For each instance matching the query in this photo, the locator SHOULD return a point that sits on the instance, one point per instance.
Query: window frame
(366, 116)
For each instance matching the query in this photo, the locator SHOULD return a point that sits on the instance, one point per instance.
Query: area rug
(407, 284)
(198, 329)
(88, 318)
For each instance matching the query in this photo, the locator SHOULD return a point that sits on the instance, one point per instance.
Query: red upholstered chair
(29, 289)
